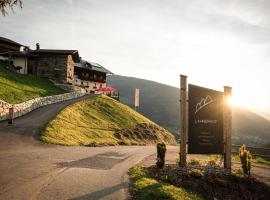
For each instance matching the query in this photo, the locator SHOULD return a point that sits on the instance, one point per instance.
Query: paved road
(30, 169)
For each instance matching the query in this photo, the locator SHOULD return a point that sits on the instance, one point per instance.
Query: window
(57, 75)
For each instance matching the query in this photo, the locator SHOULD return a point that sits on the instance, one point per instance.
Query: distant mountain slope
(160, 103)
(250, 128)
(100, 121)
(264, 113)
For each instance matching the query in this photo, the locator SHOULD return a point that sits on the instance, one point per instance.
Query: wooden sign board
(205, 126)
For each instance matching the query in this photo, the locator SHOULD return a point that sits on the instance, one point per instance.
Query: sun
(232, 101)
(246, 103)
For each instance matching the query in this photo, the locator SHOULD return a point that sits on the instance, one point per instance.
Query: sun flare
(247, 103)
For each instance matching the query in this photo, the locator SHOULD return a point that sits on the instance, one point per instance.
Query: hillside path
(31, 169)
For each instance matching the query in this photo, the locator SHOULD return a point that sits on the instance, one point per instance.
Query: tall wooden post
(136, 98)
(183, 120)
(227, 127)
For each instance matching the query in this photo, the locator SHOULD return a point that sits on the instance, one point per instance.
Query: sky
(214, 42)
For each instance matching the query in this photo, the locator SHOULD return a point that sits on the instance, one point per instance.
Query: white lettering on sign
(205, 121)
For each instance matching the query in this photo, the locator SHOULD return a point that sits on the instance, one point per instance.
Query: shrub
(213, 161)
(161, 151)
(237, 172)
(197, 173)
(194, 161)
(245, 157)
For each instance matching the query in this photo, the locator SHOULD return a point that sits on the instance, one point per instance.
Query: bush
(197, 173)
(161, 151)
(194, 161)
(213, 161)
(245, 157)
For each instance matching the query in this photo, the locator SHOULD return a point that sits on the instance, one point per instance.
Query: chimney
(37, 46)
(26, 48)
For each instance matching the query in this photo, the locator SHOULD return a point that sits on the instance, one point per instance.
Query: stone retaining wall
(26, 107)
(4, 109)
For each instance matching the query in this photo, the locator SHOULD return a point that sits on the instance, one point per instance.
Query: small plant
(237, 172)
(197, 173)
(161, 151)
(194, 161)
(213, 161)
(245, 157)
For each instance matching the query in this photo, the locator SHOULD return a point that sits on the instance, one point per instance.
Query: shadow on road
(102, 193)
(104, 161)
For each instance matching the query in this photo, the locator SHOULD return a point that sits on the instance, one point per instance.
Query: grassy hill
(160, 103)
(101, 121)
(16, 88)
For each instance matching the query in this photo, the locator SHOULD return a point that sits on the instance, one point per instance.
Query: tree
(4, 4)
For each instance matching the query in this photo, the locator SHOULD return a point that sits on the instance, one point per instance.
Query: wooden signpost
(136, 98)
(183, 120)
(205, 121)
(227, 123)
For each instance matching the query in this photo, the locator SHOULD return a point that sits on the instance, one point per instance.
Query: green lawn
(101, 120)
(145, 188)
(17, 88)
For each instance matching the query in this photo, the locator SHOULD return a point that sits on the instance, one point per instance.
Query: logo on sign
(204, 102)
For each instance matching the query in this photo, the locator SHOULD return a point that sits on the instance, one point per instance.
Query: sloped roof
(92, 66)
(17, 53)
(54, 51)
(108, 89)
(74, 53)
(6, 40)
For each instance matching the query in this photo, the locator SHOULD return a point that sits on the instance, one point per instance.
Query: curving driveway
(30, 169)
